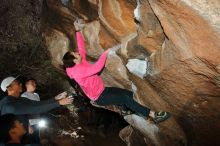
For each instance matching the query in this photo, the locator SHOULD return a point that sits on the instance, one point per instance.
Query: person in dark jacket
(22, 107)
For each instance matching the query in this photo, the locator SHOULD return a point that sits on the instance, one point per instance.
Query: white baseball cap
(7, 82)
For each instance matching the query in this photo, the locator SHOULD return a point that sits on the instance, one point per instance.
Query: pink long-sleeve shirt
(86, 74)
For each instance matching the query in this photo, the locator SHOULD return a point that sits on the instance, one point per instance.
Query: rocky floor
(87, 126)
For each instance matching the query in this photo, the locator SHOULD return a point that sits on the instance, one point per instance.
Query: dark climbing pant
(121, 97)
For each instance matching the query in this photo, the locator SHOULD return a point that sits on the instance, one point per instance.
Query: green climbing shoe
(160, 117)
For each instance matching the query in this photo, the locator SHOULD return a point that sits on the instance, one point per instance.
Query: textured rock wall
(179, 40)
(22, 49)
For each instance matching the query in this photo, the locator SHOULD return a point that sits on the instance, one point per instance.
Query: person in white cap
(6, 83)
(13, 103)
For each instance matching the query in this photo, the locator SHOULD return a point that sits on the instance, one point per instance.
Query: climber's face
(78, 58)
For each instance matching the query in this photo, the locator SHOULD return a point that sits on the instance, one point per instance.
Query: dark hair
(7, 122)
(30, 79)
(68, 60)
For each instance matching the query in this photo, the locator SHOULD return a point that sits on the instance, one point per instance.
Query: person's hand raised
(66, 100)
(79, 24)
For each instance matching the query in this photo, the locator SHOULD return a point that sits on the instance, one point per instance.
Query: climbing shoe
(160, 117)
